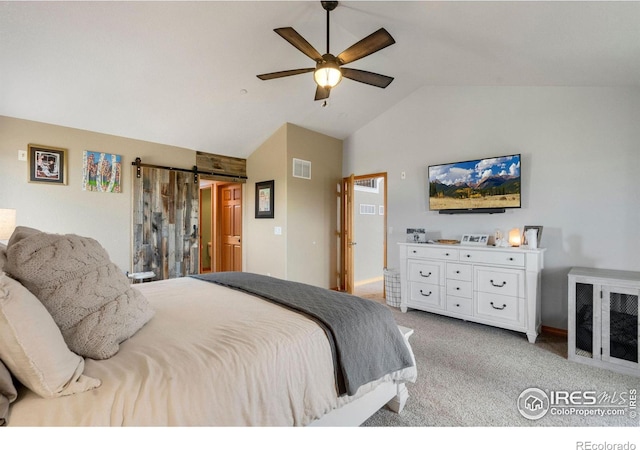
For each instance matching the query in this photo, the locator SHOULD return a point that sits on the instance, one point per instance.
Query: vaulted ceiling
(184, 73)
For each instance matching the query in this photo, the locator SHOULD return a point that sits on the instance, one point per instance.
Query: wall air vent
(301, 168)
(367, 209)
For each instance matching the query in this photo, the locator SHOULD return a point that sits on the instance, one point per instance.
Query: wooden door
(165, 223)
(230, 228)
(347, 241)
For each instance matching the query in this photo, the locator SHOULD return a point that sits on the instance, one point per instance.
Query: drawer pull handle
(496, 307)
(425, 276)
(446, 254)
(414, 251)
(510, 259)
(468, 256)
(498, 285)
(425, 295)
(457, 271)
(457, 305)
(458, 288)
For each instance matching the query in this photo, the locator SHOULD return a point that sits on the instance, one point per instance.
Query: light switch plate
(22, 155)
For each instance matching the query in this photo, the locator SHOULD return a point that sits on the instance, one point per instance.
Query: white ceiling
(184, 73)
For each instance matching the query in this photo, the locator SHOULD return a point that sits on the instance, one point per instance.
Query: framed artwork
(531, 227)
(475, 239)
(416, 235)
(47, 164)
(264, 199)
(101, 172)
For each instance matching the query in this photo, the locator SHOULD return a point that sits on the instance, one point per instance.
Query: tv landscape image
(478, 184)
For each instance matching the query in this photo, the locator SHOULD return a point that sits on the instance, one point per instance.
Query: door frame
(216, 233)
(347, 211)
(218, 225)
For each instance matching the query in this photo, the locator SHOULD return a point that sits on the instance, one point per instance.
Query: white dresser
(491, 285)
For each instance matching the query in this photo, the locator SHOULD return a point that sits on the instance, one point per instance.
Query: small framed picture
(416, 235)
(265, 199)
(475, 239)
(47, 164)
(531, 227)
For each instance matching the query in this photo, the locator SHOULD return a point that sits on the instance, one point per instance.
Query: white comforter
(211, 356)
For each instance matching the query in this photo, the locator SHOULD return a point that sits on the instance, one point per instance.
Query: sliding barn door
(165, 223)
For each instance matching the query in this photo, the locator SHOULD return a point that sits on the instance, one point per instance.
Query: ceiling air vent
(301, 168)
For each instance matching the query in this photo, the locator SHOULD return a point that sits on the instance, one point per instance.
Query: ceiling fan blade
(322, 93)
(284, 73)
(294, 38)
(374, 79)
(371, 44)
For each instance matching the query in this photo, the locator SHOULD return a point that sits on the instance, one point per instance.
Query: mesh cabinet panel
(584, 320)
(623, 327)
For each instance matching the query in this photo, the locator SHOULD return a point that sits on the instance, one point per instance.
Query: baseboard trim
(554, 331)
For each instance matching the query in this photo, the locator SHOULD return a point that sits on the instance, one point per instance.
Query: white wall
(580, 169)
(368, 230)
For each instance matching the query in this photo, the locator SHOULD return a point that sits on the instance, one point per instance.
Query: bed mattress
(211, 356)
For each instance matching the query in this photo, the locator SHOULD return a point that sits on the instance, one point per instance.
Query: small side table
(141, 276)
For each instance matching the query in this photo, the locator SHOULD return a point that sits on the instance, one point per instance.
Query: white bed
(181, 352)
(211, 356)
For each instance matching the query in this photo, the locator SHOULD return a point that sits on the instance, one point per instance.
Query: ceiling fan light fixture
(327, 74)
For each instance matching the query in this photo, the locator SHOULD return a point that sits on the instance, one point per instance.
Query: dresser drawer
(425, 294)
(460, 305)
(432, 252)
(426, 272)
(499, 281)
(459, 288)
(459, 271)
(493, 257)
(502, 308)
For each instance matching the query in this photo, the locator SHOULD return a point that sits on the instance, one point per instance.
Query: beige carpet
(471, 375)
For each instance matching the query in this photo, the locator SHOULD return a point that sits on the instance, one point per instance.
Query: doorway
(364, 234)
(220, 226)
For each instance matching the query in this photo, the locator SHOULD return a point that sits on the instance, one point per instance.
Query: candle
(514, 237)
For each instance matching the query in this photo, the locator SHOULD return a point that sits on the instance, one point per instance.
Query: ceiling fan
(329, 69)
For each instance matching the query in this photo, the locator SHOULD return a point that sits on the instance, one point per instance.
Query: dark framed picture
(264, 199)
(47, 164)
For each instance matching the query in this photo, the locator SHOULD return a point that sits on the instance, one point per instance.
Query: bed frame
(390, 393)
(355, 413)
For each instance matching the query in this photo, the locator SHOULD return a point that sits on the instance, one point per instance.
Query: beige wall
(265, 252)
(312, 219)
(68, 209)
(306, 210)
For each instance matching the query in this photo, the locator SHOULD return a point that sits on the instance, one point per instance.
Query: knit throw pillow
(88, 296)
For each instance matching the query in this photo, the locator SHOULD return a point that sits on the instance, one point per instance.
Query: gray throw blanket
(365, 340)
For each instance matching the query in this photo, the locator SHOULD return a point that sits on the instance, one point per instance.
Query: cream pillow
(32, 346)
(8, 393)
(3, 256)
(88, 296)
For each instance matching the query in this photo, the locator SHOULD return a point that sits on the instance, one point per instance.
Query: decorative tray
(448, 241)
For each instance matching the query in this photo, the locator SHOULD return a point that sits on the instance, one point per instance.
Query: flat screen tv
(488, 185)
